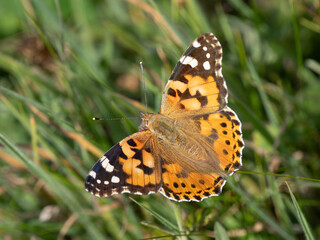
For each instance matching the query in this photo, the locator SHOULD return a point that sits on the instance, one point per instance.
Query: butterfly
(188, 149)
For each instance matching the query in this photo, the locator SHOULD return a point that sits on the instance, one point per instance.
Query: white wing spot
(103, 158)
(182, 58)
(206, 65)
(191, 61)
(98, 181)
(186, 59)
(109, 168)
(115, 179)
(208, 55)
(105, 163)
(106, 182)
(205, 48)
(93, 174)
(196, 44)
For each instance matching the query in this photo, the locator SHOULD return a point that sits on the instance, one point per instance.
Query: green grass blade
(301, 217)
(220, 232)
(264, 98)
(159, 217)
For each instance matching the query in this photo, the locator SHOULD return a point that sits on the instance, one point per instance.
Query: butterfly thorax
(161, 126)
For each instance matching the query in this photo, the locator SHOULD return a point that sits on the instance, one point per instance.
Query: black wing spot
(197, 197)
(187, 94)
(203, 100)
(217, 180)
(238, 153)
(131, 142)
(182, 79)
(223, 124)
(240, 143)
(201, 181)
(172, 92)
(227, 167)
(217, 190)
(236, 122)
(236, 165)
(138, 155)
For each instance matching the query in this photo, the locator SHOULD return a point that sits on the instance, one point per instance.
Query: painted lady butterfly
(189, 148)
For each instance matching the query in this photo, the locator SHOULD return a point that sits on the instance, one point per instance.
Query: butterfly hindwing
(129, 166)
(221, 133)
(196, 83)
(192, 186)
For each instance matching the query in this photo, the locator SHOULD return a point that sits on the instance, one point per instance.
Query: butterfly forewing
(196, 83)
(129, 166)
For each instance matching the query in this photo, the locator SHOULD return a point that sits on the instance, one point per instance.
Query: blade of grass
(177, 213)
(159, 217)
(301, 218)
(264, 98)
(296, 34)
(220, 232)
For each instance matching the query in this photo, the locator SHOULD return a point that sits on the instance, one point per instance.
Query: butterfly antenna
(122, 118)
(144, 86)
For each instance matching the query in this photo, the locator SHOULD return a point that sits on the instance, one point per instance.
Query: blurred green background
(63, 62)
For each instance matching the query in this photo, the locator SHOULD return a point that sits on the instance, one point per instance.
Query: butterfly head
(145, 121)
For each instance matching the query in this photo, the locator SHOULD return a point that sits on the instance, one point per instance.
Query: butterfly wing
(221, 134)
(196, 83)
(129, 166)
(198, 168)
(193, 186)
